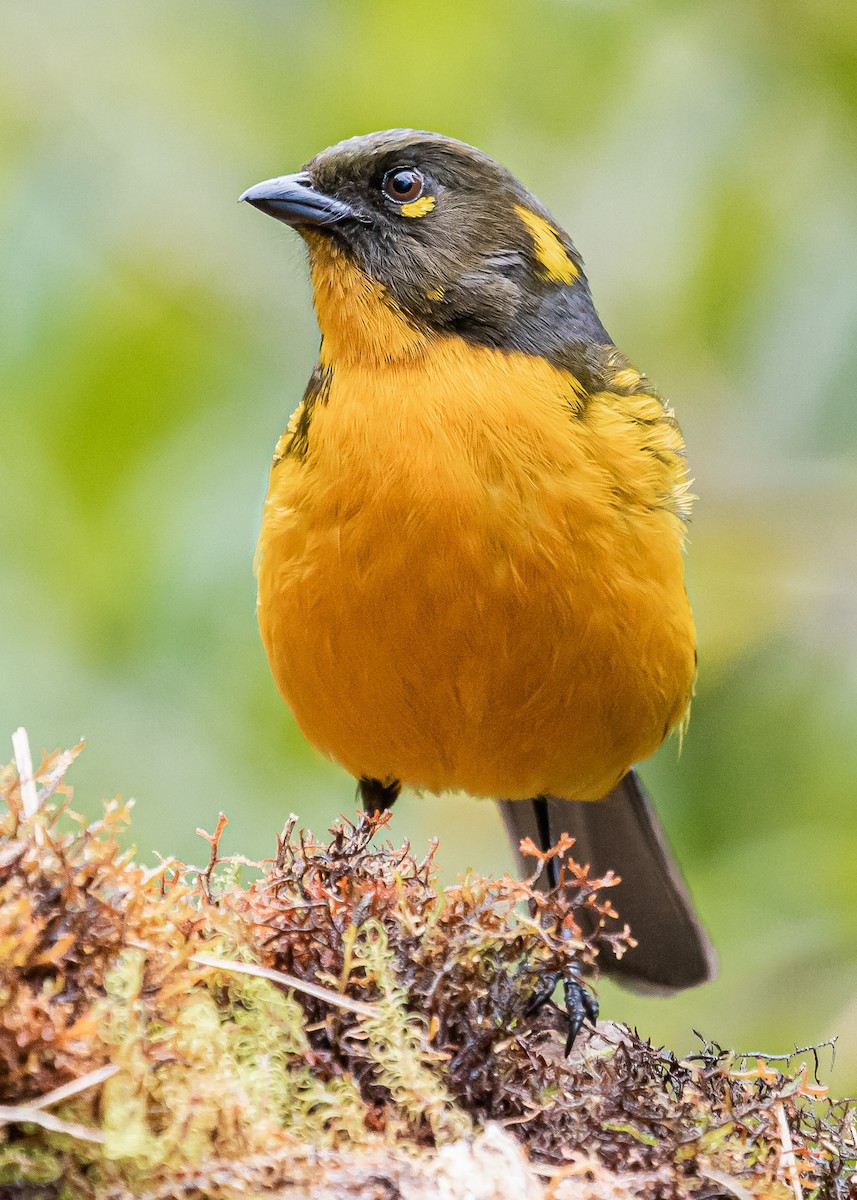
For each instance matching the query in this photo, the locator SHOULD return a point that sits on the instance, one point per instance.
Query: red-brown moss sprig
(199, 1080)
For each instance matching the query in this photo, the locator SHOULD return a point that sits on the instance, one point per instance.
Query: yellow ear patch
(419, 208)
(549, 250)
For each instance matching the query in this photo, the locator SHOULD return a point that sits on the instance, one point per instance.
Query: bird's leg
(580, 1004)
(376, 795)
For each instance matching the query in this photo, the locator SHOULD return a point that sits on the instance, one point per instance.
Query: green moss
(20, 1164)
(395, 1041)
(228, 1084)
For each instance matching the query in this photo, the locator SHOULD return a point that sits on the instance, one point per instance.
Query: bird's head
(413, 235)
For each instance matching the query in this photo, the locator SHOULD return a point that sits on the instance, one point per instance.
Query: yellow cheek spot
(626, 378)
(549, 250)
(436, 293)
(419, 208)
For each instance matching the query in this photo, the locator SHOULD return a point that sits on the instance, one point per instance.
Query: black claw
(540, 998)
(580, 1006)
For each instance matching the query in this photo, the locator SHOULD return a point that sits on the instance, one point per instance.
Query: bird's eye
(403, 185)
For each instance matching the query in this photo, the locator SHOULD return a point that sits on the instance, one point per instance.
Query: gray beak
(293, 199)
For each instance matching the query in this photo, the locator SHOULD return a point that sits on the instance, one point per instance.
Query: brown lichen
(223, 1081)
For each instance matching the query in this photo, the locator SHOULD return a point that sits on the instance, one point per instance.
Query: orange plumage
(470, 563)
(476, 582)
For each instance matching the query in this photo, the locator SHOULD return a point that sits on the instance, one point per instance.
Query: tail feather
(623, 833)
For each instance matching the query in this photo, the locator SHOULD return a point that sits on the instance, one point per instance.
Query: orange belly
(474, 579)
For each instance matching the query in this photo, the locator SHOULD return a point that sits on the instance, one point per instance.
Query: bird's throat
(358, 318)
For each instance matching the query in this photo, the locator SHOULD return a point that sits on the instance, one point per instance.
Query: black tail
(623, 833)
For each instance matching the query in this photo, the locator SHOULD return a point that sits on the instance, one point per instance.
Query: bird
(470, 564)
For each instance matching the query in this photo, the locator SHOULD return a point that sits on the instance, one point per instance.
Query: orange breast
(474, 579)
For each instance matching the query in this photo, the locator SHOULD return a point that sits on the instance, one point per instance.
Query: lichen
(184, 1076)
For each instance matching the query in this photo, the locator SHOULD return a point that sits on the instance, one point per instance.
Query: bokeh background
(155, 338)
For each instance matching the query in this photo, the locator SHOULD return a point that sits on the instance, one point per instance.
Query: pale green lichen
(394, 1041)
(227, 1066)
(228, 1084)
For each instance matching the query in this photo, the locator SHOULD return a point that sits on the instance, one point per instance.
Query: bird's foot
(378, 795)
(580, 1003)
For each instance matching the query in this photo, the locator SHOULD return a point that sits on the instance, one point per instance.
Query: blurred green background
(154, 338)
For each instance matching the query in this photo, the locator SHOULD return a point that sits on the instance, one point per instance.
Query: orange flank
(473, 577)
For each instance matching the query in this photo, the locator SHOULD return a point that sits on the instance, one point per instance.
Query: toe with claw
(580, 1004)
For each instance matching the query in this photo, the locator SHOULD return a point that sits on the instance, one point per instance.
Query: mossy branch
(341, 1025)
